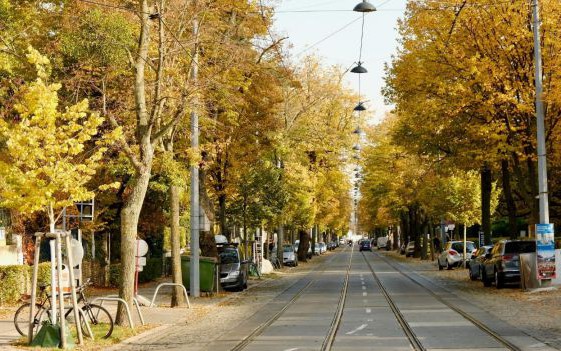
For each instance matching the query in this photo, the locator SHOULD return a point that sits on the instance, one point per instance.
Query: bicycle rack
(170, 284)
(114, 298)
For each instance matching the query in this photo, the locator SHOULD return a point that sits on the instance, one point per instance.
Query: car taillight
(452, 252)
(508, 257)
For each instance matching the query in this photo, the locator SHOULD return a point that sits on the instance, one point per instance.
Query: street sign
(545, 251)
(141, 247)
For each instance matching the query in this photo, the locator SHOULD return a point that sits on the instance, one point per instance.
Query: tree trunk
(509, 199)
(222, 216)
(303, 246)
(139, 182)
(314, 233)
(424, 248)
(486, 188)
(177, 298)
(129, 225)
(105, 263)
(280, 241)
(535, 203)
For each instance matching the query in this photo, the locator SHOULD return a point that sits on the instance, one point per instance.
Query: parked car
(322, 247)
(365, 246)
(317, 249)
(289, 255)
(502, 264)
(233, 269)
(453, 254)
(410, 249)
(381, 242)
(475, 264)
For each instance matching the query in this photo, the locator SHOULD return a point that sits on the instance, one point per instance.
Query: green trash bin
(207, 271)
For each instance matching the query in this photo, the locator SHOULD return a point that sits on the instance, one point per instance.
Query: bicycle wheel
(21, 318)
(99, 320)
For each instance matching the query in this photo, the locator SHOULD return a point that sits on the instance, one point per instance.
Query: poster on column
(545, 251)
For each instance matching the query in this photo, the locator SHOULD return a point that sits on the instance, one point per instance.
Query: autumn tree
(50, 156)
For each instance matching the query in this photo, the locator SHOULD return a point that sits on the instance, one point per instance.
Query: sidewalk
(162, 316)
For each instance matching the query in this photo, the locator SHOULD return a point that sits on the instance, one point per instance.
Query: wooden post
(34, 286)
(61, 292)
(72, 288)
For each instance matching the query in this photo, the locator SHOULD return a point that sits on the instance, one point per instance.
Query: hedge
(16, 280)
(152, 271)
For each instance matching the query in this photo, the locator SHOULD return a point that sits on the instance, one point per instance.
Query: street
(355, 301)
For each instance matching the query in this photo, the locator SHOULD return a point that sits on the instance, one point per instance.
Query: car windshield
(288, 248)
(520, 247)
(229, 255)
(459, 247)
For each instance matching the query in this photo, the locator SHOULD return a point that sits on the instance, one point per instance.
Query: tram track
(328, 341)
(412, 337)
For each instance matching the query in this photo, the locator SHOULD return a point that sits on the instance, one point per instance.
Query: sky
(307, 22)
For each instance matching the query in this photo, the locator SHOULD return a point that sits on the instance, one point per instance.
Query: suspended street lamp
(359, 68)
(364, 6)
(360, 107)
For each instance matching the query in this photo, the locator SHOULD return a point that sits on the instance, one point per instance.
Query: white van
(382, 242)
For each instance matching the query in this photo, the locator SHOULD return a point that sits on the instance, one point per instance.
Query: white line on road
(357, 329)
(294, 349)
(363, 288)
(368, 310)
(364, 293)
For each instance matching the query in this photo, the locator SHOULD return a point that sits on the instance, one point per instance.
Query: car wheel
(498, 280)
(485, 279)
(439, 266)
(448, 265)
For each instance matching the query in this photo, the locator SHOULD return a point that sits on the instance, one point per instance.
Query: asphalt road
(415, 315)
(357, 301)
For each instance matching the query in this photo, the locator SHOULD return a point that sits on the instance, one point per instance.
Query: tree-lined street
(203, 147)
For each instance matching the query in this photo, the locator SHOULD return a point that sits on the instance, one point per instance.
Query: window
(229, 255)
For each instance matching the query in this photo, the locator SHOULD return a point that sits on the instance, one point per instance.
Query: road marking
(363, 288)
(294, 349)
(368, 310)
(357, 329)
(364, 294)
(370, 320)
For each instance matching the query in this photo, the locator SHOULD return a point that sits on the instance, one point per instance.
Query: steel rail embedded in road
(413, 339)
(335, 324)
(462, 313)
(328, 342)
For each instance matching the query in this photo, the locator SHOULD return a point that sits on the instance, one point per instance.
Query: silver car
(233, 270)
(289, 255)
(453, 254)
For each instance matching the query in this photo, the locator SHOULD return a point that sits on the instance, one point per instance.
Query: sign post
(545, 251)
(141, 251)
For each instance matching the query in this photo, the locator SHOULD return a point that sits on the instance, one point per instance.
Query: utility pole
(194, 283)
(542, 162)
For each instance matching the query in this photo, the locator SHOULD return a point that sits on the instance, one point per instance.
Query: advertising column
(545, 251)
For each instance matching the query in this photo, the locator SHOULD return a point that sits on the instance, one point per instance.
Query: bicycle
(99, 319)
(253, 269)
(275, 262)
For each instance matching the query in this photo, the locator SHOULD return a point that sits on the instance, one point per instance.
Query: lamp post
(542, 162)
(194, 283)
